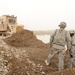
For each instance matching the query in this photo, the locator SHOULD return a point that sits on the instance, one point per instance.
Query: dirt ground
(24, 54)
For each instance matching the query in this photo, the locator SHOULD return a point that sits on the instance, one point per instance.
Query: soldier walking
(58, 41)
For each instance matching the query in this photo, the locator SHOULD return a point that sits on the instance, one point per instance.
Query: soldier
(58, 41)
(71, 52)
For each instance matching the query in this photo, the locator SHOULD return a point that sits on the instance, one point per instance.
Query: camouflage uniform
(58, 41)
(71, 52)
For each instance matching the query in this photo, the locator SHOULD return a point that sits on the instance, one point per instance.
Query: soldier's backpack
(60, 37)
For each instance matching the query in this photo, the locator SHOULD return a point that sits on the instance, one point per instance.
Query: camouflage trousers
(71, 58)
(55, 51)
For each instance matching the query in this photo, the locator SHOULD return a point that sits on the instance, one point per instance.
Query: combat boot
(46, 62)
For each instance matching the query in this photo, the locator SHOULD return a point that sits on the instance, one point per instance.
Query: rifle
(70, 53)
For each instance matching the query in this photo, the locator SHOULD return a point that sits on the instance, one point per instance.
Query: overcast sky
(40, 14)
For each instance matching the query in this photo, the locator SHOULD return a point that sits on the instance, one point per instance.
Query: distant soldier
(58, 41)
(71, 52)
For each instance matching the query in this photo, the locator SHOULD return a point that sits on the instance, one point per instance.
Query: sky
(40, 14)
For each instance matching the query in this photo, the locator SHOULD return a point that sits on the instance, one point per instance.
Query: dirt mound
(24, 38)
(65, 72)
(24, 67)
(29, 56)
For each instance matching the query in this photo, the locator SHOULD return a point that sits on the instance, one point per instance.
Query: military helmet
(62, 24)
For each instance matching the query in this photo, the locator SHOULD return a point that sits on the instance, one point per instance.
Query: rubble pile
(20, 56)
(3, 62)
(65, 72)
(14, 61)
(24, 38)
